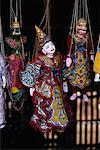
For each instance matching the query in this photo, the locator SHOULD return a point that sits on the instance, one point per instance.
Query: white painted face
(49, 49)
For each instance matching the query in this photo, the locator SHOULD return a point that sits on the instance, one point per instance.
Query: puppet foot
(73, 97)
(60, 130)
(2, 126)
(85, 98)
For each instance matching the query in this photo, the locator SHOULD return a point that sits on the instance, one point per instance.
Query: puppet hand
(65, 87)
(68, 62)
(4, 81)
(92, 57)
(31, 91)
(97, 77)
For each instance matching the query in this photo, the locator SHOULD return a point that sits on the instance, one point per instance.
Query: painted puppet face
(49, 49)
(81, 28)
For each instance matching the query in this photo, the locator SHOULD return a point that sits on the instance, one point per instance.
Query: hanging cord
(72, 20)
(73, 23)
(72, 28)
(45, 7)
(45, 13)
(46, 16)
(98, 43)
(12, 13)
(49, 19)
(1, 41)
(35, 51)
(43, 18)
(46, 26)
(23, 53)
(47, 23)
(76, 14)
(80, 8)
(83, 4)
(20, 13)
(89, 24)
(16, 8)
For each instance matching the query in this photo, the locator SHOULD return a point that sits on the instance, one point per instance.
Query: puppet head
(81, 28)
(48, 48)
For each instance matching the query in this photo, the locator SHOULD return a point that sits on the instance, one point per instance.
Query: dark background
(16, 134)
(61, 13)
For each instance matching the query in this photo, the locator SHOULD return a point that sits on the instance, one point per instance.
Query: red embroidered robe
(48, 108)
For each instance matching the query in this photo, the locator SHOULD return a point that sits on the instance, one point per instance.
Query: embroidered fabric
(28, 77)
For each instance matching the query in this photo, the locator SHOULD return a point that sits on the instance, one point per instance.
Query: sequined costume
(2, 92)
(48, 108)
(79, 73)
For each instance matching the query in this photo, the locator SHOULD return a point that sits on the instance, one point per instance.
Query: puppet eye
(47, 46)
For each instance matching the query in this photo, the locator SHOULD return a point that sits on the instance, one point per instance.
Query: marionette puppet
(96, 67)
(13, 45)
(80, 52)
(2, 84)
(2, 90)
(45, 88)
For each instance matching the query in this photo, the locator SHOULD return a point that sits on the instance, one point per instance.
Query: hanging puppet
(80, 52)
(96, 66)
(45, 87)
(2, 90)
(14, 54)
(2, 83)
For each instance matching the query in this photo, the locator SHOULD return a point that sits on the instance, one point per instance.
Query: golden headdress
(82, 21)
(15, 23)
(41, 36)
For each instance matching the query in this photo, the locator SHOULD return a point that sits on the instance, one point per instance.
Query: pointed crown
(42, 37)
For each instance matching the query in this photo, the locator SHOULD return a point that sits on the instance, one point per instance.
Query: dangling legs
(84, 90)
(74, 95)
